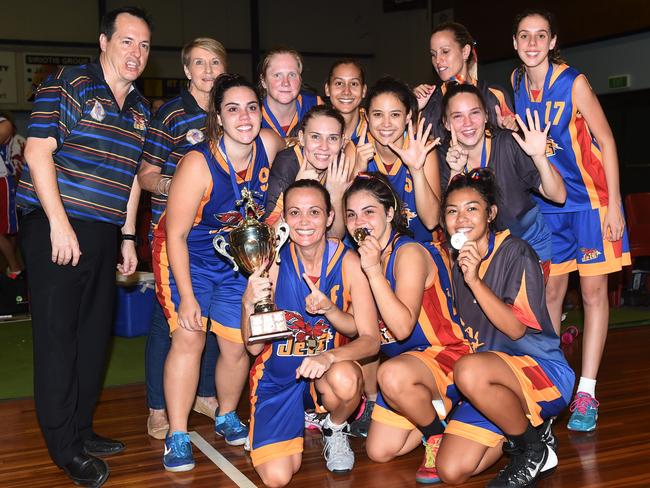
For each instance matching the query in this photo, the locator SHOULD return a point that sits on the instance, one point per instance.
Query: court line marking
(222, 463)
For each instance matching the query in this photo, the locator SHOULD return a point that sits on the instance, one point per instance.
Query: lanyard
(485, 155)
(490, 249)
(274, 121)
(232, 174)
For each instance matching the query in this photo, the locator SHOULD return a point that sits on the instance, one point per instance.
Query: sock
(587, 385)
(434, 428)
(530, 436)
(328, 424)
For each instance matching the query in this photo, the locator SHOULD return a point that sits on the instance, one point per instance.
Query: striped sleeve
(159, 142)
(56, 110)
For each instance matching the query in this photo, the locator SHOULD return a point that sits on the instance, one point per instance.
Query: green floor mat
(126, 364)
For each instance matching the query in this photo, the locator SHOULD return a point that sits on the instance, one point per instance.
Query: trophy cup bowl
(249, 246)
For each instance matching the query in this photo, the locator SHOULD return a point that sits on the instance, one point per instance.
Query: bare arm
(151, 179)
(258, 288)
(127, 248)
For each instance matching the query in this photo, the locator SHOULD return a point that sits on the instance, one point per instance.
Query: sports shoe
(231, 429)
(336, 449)
(427, 473)
(359, 427)
(157, 424)
(315, 421)
(585, 412)
(178, 453)
(525, 466)
(547, 434)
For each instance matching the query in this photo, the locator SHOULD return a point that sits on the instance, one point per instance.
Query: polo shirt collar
(134, 97)
(189, 103)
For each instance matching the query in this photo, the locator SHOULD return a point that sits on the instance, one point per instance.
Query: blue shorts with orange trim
(546, 385)
(578, 243)
(384, 414)
(277, 426)
(217, 288)
(8, 217)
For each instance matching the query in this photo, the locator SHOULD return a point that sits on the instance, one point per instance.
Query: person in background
(346, 88)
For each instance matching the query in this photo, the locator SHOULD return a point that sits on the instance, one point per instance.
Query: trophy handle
(220, 245)
(283, 235)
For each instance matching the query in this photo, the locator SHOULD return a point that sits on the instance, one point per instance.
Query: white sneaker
(336, 448)
(314, 421)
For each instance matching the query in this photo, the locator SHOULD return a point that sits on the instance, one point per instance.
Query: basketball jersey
(438, 325)
(513, 272)
(361, 125)
(217, 212)
(304, 102)
(401, 180)
(312, 334)
(570, 147)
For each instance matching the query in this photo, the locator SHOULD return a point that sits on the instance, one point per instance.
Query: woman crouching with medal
(317, 283)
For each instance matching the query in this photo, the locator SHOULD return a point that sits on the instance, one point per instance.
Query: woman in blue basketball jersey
(517, 380)
(519, 163)
(346, 88)
(321, 288)
(399, 148)
(589, 228)
(420, 331)
(194, 284)
(176, 128)
(285, 103)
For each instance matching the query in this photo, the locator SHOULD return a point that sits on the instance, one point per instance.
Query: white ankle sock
(587, 385)
(331, 425)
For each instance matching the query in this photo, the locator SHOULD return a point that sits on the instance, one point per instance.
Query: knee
(466, 375)
(232, 351)
(275, 478)
(187, 342)
(392, 380)
(594, 291)
(452, 474)
(378, 453)
(345, 379)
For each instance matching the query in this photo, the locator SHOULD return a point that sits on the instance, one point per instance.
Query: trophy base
(267, 326)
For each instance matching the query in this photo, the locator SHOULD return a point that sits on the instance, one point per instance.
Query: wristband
(129, 237)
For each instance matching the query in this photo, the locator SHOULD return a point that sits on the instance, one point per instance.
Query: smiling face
(468, 118)
(466, 211)
(448, 58)
(306, 214)
(345, 88)
(533, 40)
(387, 118)
(364, 210)
(321, 141)
(240, 115)
(124, 56)
(282, 79)
(204, 67)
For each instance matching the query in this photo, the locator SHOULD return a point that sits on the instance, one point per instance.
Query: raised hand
(370, 254)
(469, 260)
(534, 141)
(423, 93)
(337, 176)
(316, 303)
(365, 151)
(415, 155)
(259, 287)
(306, 171)
(505, 121)
(457, 157)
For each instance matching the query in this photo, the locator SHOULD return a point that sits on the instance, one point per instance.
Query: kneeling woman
(316, 283)
(421, 335)
(518, 378)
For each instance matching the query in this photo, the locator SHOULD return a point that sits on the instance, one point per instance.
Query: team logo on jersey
(308, 339)
(473, 338)
(139, 122)
(229, 219)
(551, 147)
(589, 254)
(384, 334)
(408, 214)
(98, 113)
(194, 136)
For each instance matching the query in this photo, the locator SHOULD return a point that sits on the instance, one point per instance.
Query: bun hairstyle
(313, 184)
(482, 181)
(463, 38)
(388, 84)
(378, 186)
(222, 84)
(553, 55)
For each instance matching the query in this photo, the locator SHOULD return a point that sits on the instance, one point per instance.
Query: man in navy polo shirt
(85, 139)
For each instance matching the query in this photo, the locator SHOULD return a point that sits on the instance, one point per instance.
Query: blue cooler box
(134, 303)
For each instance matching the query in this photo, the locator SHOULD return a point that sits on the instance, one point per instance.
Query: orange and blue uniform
(217, 288)
(361, 125)
(278, 400)
(576, 225)
(437, 338)
(304, 102)
(512, 271)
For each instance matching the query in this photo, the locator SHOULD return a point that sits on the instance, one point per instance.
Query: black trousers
(72, 317)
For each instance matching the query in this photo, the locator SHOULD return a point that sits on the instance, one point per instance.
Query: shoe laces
(582, 401)
(335, 442)
(431, 447)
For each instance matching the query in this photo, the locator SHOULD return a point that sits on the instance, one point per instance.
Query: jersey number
(559, 109)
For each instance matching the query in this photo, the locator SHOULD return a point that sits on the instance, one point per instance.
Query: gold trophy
(252, 243)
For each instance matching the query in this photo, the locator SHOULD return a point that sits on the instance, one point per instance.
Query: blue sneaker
(585, 412)
(231, 429)
(178, 453)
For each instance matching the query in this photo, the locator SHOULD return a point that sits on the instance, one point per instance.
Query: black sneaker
(359, 427)
(525, 466)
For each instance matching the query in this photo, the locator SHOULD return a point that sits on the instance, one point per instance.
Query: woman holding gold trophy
(194, 284)
(319, 284)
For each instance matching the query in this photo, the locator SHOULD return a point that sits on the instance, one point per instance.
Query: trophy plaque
(248, 246)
